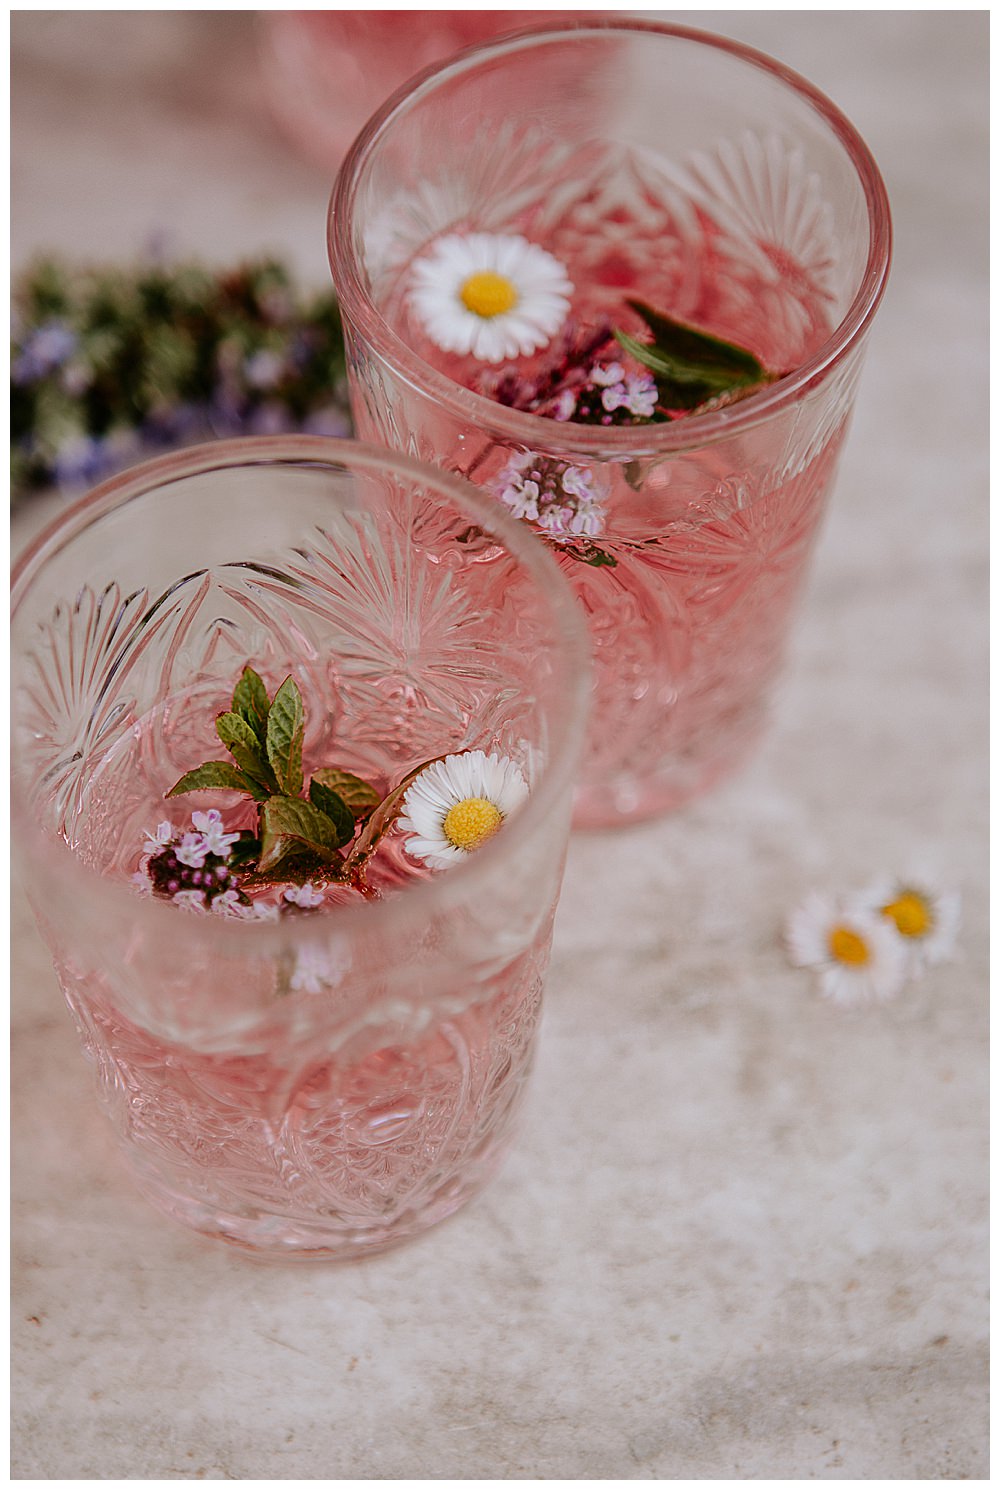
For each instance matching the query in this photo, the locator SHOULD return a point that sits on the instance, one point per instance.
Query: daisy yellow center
(469, 823)
(847, 946)
(911, 914)
(488, 294)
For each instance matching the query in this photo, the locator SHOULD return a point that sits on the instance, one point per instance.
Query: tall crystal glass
(336, 1080)
(708, 181)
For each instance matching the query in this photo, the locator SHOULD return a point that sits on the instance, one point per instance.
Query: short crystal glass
(336, 1080)
(709, 182)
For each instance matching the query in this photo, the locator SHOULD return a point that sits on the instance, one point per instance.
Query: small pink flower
(606, 377)
(563, 406)
(209, 824)
(164, 833)
(192, 850)
(306, 896)
(190, 900)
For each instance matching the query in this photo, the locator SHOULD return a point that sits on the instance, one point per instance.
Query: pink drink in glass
(761, 220)
(335, 1080)
(371, 1138)
(688, 625)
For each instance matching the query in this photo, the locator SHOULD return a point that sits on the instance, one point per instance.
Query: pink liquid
(330, 1123)
(710, 545)
(323, 1153)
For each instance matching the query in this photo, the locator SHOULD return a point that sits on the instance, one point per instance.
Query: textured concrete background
(744, 1233)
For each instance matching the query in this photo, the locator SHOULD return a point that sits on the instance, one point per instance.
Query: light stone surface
(743, 1235)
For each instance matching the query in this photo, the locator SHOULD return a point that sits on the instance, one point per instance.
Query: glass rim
(535, 430)
(312, 452)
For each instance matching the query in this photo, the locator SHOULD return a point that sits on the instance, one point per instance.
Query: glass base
(275, 1238)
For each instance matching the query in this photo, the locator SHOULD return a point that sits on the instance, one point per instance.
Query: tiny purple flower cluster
(609, 395)
(583, 382)
(192, 868)
(195, 871)
(559, 498)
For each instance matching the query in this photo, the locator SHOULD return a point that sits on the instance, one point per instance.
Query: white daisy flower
(858, 955)
(491, 295)
(455, 805)
(925, 916)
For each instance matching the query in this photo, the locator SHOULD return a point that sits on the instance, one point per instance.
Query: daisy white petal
(456, 804)
(857, 954)
(925, 916)
(494, 296)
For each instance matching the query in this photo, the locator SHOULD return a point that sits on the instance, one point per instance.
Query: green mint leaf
(360, 797)
(335, 808)
(285, 731)
(215, 776)
(288, 824)
(691, 366)
(244, 853)
(677, 388)
(246, 750)
(693, 350)
(251, 702)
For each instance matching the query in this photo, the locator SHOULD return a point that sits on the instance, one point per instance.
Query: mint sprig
(297, 838)
(328, 834)
(692, 367)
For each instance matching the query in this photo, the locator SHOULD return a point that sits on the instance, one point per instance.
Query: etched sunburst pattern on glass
(312, 1086)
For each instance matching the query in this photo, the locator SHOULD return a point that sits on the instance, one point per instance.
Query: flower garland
(109, 366)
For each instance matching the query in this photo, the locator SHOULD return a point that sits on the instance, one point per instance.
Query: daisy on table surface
(926, 917)
(857, 954)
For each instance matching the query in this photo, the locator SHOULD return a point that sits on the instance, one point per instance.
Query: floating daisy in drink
(488, 295)
(858, 954)
(925, 917)
(456, 804)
